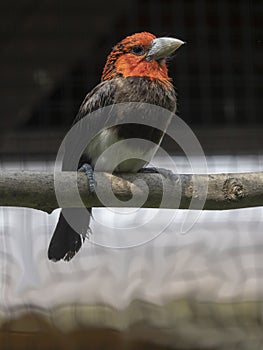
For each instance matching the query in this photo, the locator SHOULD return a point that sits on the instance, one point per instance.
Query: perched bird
(135, 71)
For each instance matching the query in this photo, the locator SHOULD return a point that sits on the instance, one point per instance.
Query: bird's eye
(138, 50)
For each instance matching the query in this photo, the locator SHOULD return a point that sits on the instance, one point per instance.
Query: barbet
(135, 71)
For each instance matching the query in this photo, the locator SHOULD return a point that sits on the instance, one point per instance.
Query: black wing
(101, 96)
(65, 242)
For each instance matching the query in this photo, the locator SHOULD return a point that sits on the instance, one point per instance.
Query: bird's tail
(66, 242)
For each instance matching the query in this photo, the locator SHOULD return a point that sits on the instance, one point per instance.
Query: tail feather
(66, 242)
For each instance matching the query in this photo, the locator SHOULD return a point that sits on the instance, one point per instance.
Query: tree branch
(35, 189)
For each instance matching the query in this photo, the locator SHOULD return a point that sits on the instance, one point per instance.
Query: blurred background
(53, 53)
(202, 290)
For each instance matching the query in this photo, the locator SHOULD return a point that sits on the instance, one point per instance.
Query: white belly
(123, 156)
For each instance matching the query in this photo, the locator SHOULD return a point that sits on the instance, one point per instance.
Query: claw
(168, 174)
(87, 168)
(148, 170)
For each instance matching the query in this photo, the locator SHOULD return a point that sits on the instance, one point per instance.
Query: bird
(135, 71)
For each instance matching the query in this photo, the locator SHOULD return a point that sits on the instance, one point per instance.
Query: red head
(141, 54)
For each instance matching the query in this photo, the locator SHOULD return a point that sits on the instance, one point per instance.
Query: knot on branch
(233, 189)
(34, 189)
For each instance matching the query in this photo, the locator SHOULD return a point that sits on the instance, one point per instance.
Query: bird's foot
(87, 168)
(168, 174)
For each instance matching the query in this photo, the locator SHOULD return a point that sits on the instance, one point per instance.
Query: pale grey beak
(163, 47)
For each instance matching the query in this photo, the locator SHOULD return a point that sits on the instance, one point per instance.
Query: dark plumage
(118, 85)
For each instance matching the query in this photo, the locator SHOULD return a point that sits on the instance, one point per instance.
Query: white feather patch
(127, 152)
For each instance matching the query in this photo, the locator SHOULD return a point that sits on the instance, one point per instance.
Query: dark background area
(53, 53)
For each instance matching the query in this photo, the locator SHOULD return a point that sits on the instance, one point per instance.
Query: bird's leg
(87, 168)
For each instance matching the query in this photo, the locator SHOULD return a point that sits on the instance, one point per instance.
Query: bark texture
(34, 189)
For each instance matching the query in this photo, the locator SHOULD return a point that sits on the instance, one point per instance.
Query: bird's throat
(128, 65)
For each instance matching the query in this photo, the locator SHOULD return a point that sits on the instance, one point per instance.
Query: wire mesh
(217, 73)
(198, 290)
